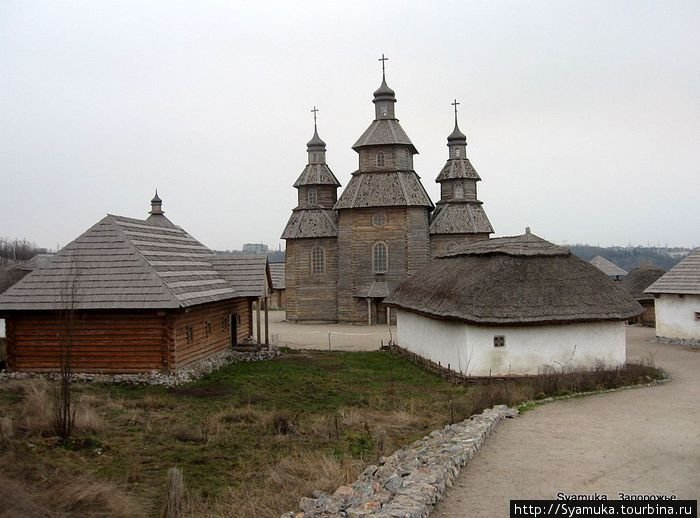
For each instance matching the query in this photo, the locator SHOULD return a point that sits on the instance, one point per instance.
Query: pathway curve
(636, 441)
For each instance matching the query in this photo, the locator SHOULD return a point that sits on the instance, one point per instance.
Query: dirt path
(342, 337)
(644, 440)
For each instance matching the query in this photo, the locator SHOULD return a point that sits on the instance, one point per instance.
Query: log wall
(311, 296)
(122, 341)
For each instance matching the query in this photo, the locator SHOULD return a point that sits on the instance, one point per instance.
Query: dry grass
(250, 439)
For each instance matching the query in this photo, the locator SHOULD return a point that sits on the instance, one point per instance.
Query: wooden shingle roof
(384, 132)
(123, 263)
(317, 174)
(247, 273)
(683, 279)
(314, 222)
(390, 189)
(608, 268)
(460, 218)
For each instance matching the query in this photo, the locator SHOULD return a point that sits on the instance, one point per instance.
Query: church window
(380, 258)
(458, 152)
(318, 260)
(459, 190)
(378, 219)
(499, 341)
(312, 197)
(380, 158)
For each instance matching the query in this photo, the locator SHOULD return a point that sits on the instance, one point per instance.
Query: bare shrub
(175, 496)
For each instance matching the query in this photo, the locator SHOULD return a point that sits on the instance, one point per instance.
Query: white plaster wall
(675, 316)
(469, 349)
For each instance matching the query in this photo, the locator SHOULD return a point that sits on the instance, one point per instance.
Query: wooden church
(346, 254)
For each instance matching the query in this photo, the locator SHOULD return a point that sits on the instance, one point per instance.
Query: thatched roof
(683, 279)
(123, 263)
(277, 272)
(513, 280)
(607, 267)
(248, 273)
(640, 279)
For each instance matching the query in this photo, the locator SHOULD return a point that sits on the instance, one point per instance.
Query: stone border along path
(408, 482)
(187, 374)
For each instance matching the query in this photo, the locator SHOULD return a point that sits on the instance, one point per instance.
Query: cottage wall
(311, 296)
(678, 316)
(470, 348)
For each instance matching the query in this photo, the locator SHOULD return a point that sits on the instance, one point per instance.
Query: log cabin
(128, 295)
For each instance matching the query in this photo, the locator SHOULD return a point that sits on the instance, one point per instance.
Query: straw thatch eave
(501, 289)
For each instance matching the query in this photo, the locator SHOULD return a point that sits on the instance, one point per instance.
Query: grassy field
(250, 439)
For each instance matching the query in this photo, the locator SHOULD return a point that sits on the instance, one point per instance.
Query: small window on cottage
(378, 219)
(459, 190)
(380, 258)
(499, 341)
(224, 322)
(189, 332)
(697, 315)
(318, 260)
(207, 329)
(312, 197)
(380, 158)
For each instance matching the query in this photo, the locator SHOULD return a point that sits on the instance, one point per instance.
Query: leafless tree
(64, 415)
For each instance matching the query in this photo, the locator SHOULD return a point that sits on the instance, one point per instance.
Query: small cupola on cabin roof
(157, 215)
(156, 205)
(457, 141)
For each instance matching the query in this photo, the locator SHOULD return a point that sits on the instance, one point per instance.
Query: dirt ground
(343, 337)
(639, 441)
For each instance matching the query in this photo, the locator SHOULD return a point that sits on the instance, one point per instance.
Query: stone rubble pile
(409, 482)
(187, 374)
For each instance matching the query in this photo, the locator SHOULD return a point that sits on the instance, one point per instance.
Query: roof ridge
(143, 260)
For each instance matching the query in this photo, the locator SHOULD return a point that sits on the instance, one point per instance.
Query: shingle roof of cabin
(11, 274)
(607, 267)
(311, 223)
(684, 278)
(513, 280)
(390, 189)
(123, 263)
(247, 273)
(277, 272)
(458, 168)
(640, 279)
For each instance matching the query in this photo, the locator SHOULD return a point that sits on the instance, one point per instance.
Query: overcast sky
(583, 118)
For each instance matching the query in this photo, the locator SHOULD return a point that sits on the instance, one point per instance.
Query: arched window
(380, 158)
(378, 219)
(318, 260)
(380, 258)
(459, 190)
(312, 196)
